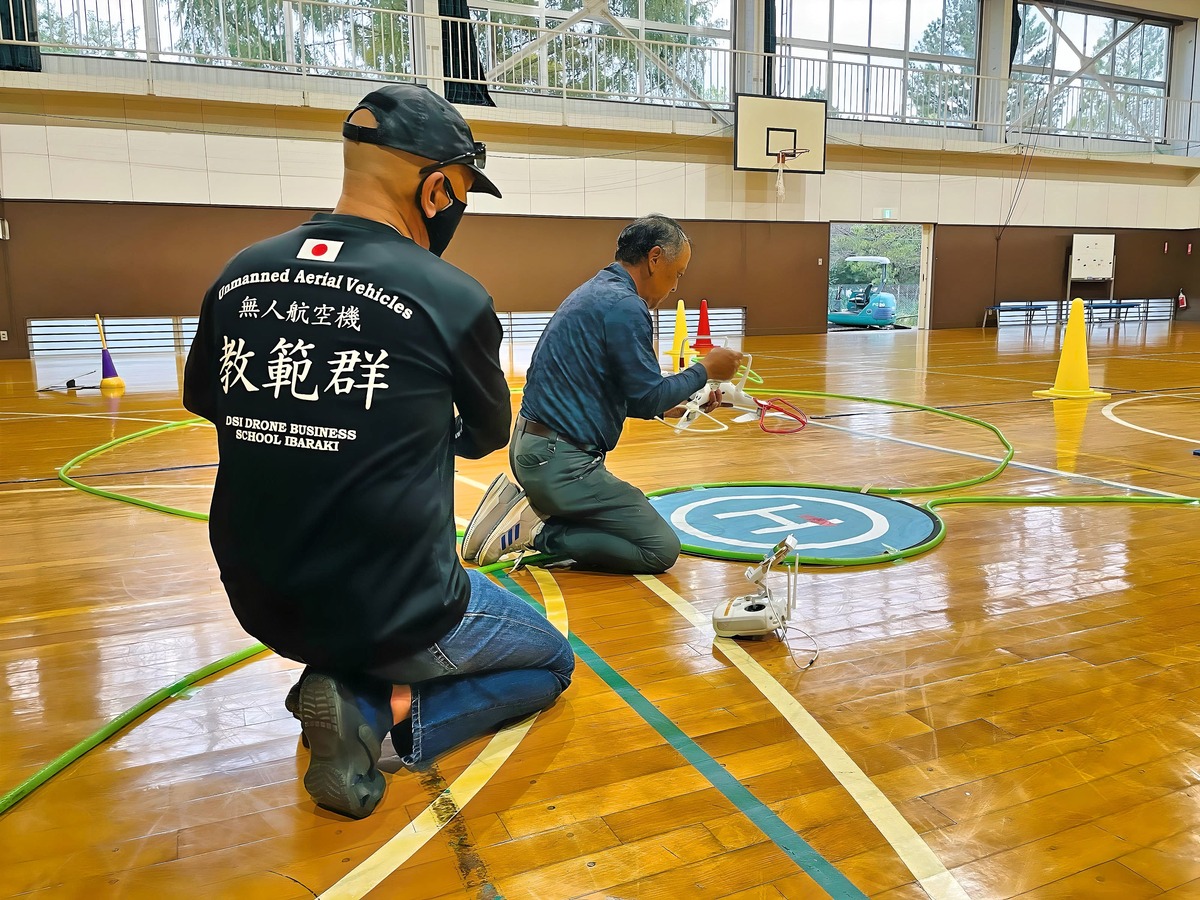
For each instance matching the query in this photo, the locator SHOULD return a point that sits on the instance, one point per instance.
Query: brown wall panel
(1028, 263)
(121, 259)
(776, 270)
(77, 259)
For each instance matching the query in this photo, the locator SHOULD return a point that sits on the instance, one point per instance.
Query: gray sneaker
(514, 532)
(498, 499)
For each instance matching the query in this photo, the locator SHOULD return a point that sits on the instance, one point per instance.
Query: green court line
(781, 834)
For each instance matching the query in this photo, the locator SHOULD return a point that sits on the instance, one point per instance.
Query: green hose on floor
(8, 800)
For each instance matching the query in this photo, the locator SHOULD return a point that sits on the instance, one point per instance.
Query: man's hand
(721, 363)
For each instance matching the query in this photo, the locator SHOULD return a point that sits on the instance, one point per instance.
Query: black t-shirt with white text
(331, 360)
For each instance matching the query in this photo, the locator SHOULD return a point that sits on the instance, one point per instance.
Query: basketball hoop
(781, 159)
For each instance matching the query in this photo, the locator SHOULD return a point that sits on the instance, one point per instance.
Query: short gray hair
(638, 238)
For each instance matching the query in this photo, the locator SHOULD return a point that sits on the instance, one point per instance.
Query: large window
(892, 60)
(1086, 72)
(677, 50)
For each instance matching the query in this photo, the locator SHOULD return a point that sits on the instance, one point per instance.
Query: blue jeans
(502, 662)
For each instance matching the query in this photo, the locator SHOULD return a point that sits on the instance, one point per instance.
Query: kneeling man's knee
(662, 551)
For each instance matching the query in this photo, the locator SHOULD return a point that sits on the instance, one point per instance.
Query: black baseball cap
(413, 118)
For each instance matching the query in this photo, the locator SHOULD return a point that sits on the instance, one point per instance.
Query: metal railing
(591, 60)
(1097, 312)
(125, 335)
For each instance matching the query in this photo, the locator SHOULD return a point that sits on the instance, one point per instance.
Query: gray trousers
(594, 518)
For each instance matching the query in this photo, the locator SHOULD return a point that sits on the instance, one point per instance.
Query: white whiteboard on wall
(1092, 257)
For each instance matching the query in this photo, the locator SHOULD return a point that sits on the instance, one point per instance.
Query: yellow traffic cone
(1071, 382)
(680, 338)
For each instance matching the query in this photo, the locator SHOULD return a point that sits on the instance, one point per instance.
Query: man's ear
(433, 194)
(654, 258)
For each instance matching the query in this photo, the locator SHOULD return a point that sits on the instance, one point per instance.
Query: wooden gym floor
(1013, 714)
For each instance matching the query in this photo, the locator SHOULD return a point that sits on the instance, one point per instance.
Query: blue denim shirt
(595, 365)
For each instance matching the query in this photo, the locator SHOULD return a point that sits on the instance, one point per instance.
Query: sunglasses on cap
(477, 156)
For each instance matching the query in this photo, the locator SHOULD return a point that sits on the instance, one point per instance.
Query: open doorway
(874, 276)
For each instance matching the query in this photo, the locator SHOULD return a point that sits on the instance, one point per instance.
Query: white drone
(732, 395)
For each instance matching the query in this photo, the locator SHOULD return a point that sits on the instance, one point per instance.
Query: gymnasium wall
(77, 259)
(774, 269)
(155, 213)
(579, 173)
(1032, 264)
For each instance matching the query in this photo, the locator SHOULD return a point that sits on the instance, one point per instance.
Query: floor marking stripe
(1109, 414)
(372, 871)
(1070, 476)
(478, 485)
(120, 488)
(16, 416)
(827, 875)
(912, 850)
(86, 610)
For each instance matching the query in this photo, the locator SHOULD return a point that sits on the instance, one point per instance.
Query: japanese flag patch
(324, 251)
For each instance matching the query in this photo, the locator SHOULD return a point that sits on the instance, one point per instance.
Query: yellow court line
(909, 846)
(85, 610)
(552, 598)
(372, 871)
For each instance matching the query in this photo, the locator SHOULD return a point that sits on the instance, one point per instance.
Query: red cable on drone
(778, 405)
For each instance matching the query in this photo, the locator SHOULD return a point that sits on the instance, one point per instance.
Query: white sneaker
(514, 533)
(498, 499)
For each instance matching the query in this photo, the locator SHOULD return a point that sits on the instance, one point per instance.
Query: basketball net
(781, 159)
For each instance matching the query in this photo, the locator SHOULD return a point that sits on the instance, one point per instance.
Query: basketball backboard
(764, 127)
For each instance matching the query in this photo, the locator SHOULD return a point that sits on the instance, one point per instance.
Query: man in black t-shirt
(332, 359)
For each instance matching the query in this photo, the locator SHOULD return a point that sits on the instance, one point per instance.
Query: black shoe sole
(344, 752)
(292, 704)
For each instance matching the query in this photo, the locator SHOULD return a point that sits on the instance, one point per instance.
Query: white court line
(118, 489)
(121, 489)
(937, 881)
(1108, 412)
(17, 416)
(1070, 476)
(372, 871)
(470, 481)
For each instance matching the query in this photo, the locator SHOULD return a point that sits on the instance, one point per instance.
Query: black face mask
(442, 224)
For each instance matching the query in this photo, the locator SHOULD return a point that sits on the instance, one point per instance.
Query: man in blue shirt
(593, 366)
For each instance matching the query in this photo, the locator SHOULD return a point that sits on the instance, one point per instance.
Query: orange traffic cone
(703, 334)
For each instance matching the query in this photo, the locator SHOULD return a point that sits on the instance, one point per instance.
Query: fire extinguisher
(1182, 299)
